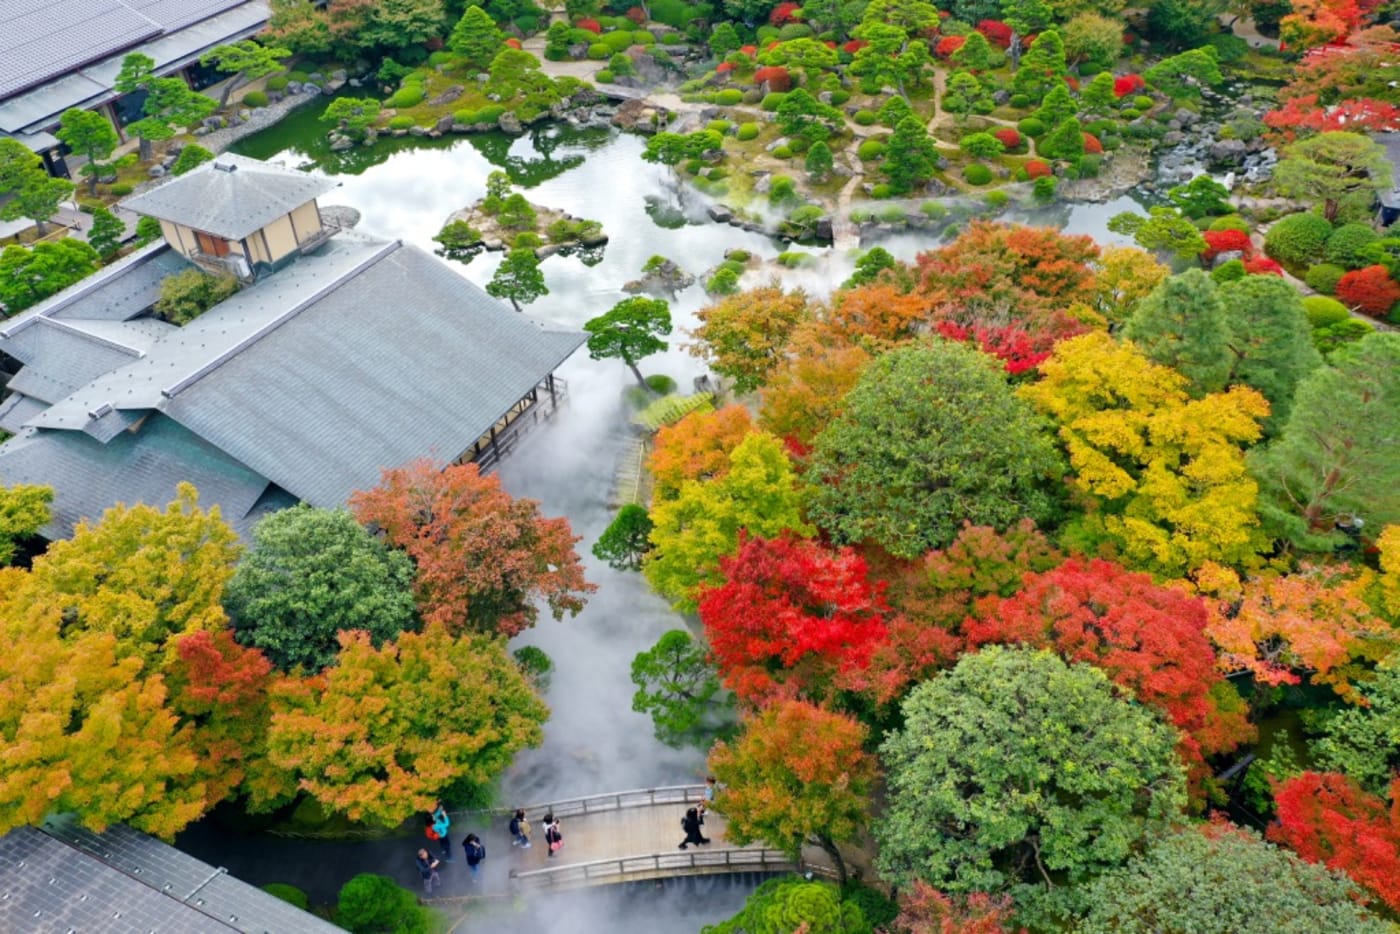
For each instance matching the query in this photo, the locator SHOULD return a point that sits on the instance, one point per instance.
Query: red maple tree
(1327, 818)
(1304, 115)
(925, 910)
(1226, 241)
(790, 617)
(998, 33)
(1369, 290)
(948, 45)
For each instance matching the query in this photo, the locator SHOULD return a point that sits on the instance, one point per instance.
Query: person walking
(553, 836)
(475, 851)
(438, 825)
(518, 838)
(428, 869)
(708, 800)
(691, 824)
(524, 831)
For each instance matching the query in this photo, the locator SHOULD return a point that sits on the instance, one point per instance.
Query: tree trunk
(514, 304)
(228, 90)
(637, 373)
(1329, 210)
(92, 177)
(829, 847)
(40, 228)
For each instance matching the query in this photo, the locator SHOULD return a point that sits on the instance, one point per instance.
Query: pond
(405, 188)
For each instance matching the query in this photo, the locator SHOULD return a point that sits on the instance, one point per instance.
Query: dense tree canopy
(1181, 324)
(28, 275)
(930, 436)
(791, 904)
(310, 575)
(631, 330)
(24, 510)
(1270, 342)
(1364, 741)
(483, 558)
(678, 687)
(696, 448)
(743, 336)
(1014, 766)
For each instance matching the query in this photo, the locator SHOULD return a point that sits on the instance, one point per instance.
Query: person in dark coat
(428, 869)
(476, 852)
(691, 824)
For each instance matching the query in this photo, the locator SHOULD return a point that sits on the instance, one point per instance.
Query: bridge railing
(595, 804)
(658, 865)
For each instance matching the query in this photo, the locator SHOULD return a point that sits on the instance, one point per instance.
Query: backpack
(515, 826)
(431, 833)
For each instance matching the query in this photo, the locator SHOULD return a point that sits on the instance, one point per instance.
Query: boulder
(444, 123)
(156, 171)
(1228, 152)
(341, 143)
(510, 123)
(417, 131)
(1222, 258)
(448, 96)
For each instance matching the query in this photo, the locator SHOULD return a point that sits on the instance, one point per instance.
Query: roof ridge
(96, 338)
(79, 290)
(220, 359)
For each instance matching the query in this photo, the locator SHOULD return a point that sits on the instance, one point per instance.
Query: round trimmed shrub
(1228, 272)
(933, 210)
(870, 149)
(1229, 222)
(599, 51)
(723, 282)
(721, 127)
(1034, 127)
(981, 145)
(410, 95)
(839, 97)
(729, 97)
(617, 41)
(289, 894)
(642, 37)
(1298, 239)
(746, 132)
(277, 83)
(1143, 102)
(604, 76)
(1323, 277)
(794, 31)
(1020, 100)
(402, 122)
(865, 118)
(772, 100)
(1346, 245)
(255, 99)
(371, 902)
(997, 199)
(782, 152)
(977, 174)
(121, 189)
(1131, 114)
(1323, 311)
(882, 190)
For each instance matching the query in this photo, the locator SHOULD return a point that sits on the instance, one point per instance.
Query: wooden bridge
(625, 836)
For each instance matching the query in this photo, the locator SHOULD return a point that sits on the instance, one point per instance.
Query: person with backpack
(519, 830)
(476, 852)
(437, 826)
(553, 837)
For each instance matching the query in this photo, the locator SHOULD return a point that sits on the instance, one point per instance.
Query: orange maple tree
(482, 557)
(696, 448)
(805, 392)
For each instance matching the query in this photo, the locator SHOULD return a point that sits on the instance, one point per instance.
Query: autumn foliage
(791, 617)
(1226, 241)
(1124, 85)
(775, 76)
(948, 45)
(1370, 290)
(925, 910)
(1035, 168)
(1305, 114)
(784, 13)
(1327, 818)
(696, 448)
(1008, 136)
(482, 557)
(997, 32)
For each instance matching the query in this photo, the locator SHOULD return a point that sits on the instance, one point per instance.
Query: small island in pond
(504, 220)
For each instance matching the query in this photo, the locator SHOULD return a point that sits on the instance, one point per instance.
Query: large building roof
(64, 878)
(231, 196)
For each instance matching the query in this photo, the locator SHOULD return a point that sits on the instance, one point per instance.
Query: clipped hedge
(603, 76)
(729, 97)
(977, 174)
(1298, 239)
(1324, 277)
(746, 132)
(865, 118)
(599, 51)
(410, 95)
(870, 149)
(1346, 246)
(772, 100)
(1324, 312)
(277, 83)
(255, 99)
(1034, 127)
(402, 122)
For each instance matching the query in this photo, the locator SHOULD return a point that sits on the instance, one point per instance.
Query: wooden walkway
(628, 836)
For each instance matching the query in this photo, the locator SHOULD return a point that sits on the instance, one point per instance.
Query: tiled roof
(64, 878)
(231, 196)
(42, 39)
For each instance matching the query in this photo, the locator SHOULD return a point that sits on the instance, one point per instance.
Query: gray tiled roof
(89, 476)
(113, 293)
(66, 879)
(18, 409)
(231, 196)
(1391, 141)
(60, 357)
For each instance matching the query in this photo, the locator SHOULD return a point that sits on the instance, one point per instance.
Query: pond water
(405, 188)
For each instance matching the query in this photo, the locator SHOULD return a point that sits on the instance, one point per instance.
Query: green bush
(1323, 311)
(1043, 189)
(298, 76)
(617, 41)
(977, 174)
(604, 76)
(882, 190)
(1019, 100)
(599, 51)
(892, 214)
(933, 210)
(1323, 277)
(582, 37)
(772, 100)
(401, 122)
(729, 97)
(191, 156)
(766, 34)
(1297, 239)
(870, 149)
(782, 152)
(981, 145)
(865, 118)
(721, 127)
(723, 282)
(746, 132)
(997, 199)
(410, 95)
(526, 240)
(369, 904)
(794, 31)
(288, 893)
(1143, 102)
(839, 97)
(277, 83)
(1034, 127)
(489, 114)
(121, 189)
(1131, 114)
(1346, 246)
(793, 259)
(440, 57)
(642, 37)
(1230, 222)
(1228, 271)
(255, 99)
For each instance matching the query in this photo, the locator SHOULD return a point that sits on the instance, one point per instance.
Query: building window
(213, 246)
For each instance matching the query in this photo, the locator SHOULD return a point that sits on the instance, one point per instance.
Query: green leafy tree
(1203, 196)
(29, 275)
(626, 540)
(702, 524)
(300, 26)
(1181, 324)
(168, 101)
(105, 235)
(819, 161)
(1016, 767)
(796, 773)
(801, 114)
(89, 135)
(1363, 742)
(807, 56)
(678, 687)
(392, 25)
(354, 115)
(1164, 230)
(1097, 96)
(476, 38)
(1183, 24)
(1064, 142)
(975, 54)
(245, 60)
(785, 905)
(1092, 39)
(837, 16)
(931, 436)
(723, 40)
(1220, 879)
(148, 231)
(966, 96)
(386, 731)
(1330, 166)
(910, 156)
(191, 156)
(1057, 107)
(1270, 341)
(371, 904)
(517, 213)
(630, 330)
(191, 292)
(1335, 457)
(1025, 17)
(24, 510)
(1185, 74)
(310, 575)
(890, 58)
(869, 267)
(32, 191)
(518, 278)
